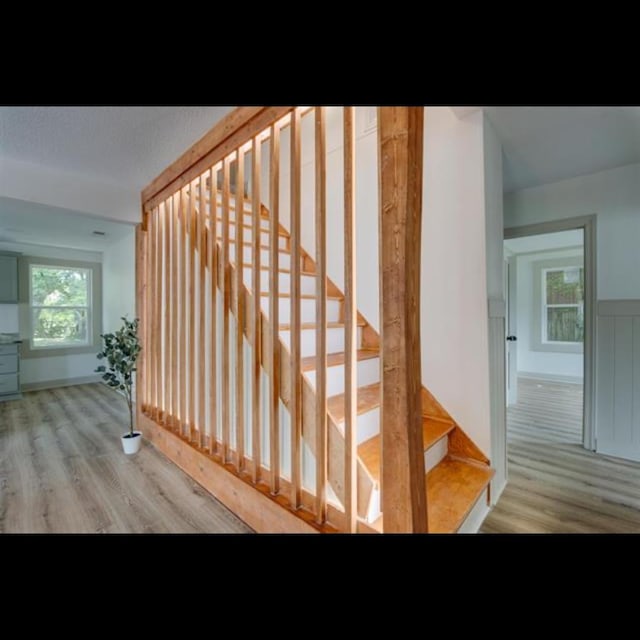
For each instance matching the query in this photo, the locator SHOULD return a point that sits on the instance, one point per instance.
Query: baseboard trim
(550, 377)
(54, 384)
(476, 516)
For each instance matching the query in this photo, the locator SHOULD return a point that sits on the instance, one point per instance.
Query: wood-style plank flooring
(62, 470)
(556, 486)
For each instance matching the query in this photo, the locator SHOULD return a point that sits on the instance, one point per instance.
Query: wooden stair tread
(248, 265)
(453, 488)
(312, 325)
(281, 232)
(264, 247)
(368, 399)
(369, 451)
(304, 296)
(335, 359)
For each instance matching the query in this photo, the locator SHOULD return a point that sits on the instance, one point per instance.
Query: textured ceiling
(546, 144)
(128, 146)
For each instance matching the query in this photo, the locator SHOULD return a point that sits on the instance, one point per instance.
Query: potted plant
(121, 350)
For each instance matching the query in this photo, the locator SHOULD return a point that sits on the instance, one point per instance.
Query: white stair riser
(335, 340)
(374, 511)
(284, 258)
(436, 453)
(307, 283)
(368, 373)
(307, 310)
(247, 236)
(432, 458)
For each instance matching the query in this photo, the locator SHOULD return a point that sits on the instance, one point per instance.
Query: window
(557, 312)
(61, 306)
(563, 305)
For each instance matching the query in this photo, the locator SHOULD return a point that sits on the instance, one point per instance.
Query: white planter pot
(131, 445)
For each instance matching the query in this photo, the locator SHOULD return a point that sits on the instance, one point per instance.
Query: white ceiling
(58, 164)
(96, 160)
(546, 144)
(128, 146)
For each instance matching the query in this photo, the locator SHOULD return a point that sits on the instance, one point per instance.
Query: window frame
(538, 325)
(545, 306)
(29, 350)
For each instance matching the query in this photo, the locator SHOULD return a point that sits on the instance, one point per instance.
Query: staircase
(458, 473)
(255, 412)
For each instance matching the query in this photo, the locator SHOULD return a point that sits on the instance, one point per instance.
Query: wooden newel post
(400, 147)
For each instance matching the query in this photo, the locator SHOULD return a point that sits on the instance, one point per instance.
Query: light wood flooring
(62, 470)
(554, 485)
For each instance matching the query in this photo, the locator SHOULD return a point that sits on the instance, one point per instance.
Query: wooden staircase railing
(225, 384)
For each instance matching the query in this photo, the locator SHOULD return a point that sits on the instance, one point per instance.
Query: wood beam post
(400, 146)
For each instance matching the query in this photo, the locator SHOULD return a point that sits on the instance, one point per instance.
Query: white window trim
(28, 350)
(88, 308)
(538, 330)
(544, 306)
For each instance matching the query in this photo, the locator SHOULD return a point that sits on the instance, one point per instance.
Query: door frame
(588, 225)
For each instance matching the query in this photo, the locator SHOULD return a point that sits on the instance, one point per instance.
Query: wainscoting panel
(618, 379)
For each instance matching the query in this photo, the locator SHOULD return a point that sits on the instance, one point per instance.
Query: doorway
(545, 337)
(559, 281)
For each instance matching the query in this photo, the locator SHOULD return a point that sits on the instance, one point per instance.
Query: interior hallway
(556, 486)
(62, 470)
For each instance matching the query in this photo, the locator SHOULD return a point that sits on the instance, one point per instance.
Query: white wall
(529, 360)
(366, 204)
(454, 328)
(614, 196)
(118, 282)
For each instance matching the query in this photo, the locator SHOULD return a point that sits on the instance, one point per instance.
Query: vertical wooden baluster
(274, 335)
(201, 218)
(175, 303)
(141, 297)
(213, 273)
(400, 148)
(239, 308)
(193, 270)
(321, 317)
(226, 283)
(153, 377)
(168, 408)
(295, 407)
(256, 449)
(183, 310)
(351, 327)
(158, 316)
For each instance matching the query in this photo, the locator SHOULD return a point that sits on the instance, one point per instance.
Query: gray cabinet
(9, 371)
(8, 279)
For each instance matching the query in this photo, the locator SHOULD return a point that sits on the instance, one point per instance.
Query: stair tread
(368, 399)
(312, 325)
(335, 359)
(281, 232)
(248, 265)
(453, 488)
(248, 243)
(304, 296)
(369, 451)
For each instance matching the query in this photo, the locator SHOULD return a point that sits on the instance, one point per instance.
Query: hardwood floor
(556, 486)
(62, 470)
